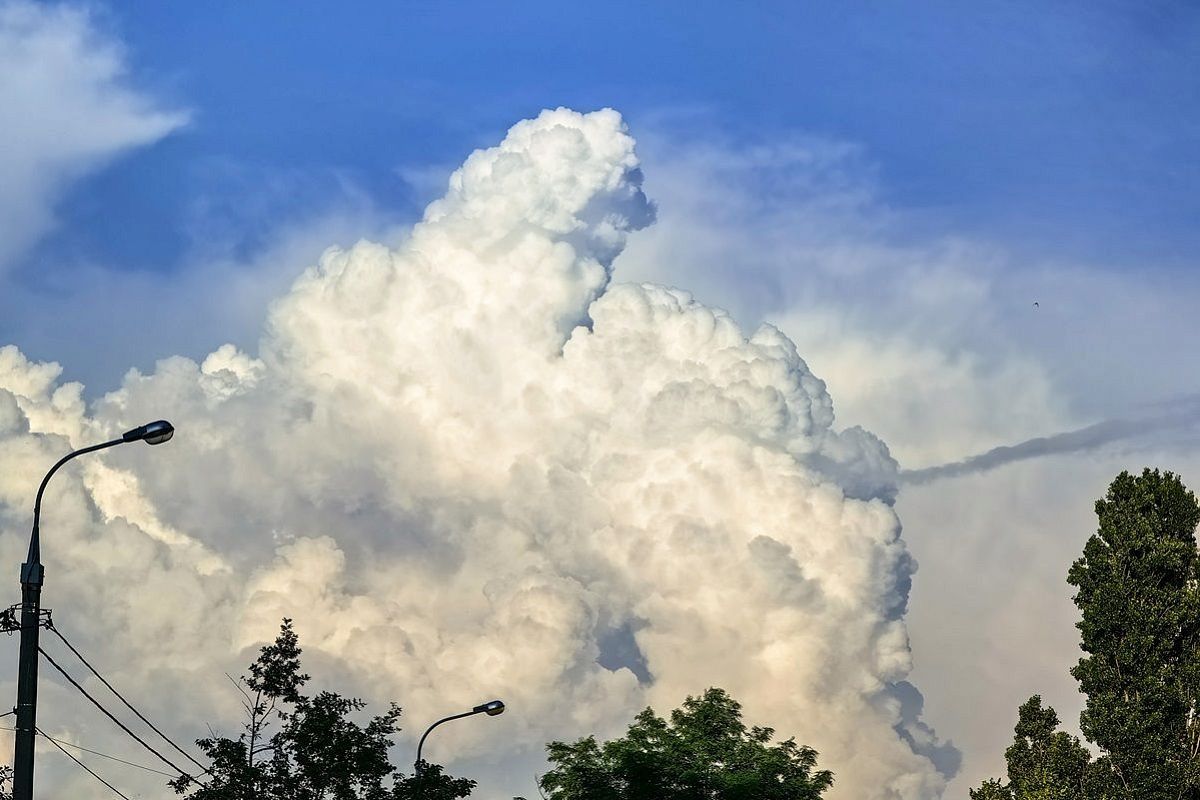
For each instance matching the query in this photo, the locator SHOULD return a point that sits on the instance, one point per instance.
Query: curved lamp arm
(152, 433)
(31, 571)
(492, 709)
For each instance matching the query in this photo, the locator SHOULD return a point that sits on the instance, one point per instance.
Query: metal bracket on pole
(10, 619)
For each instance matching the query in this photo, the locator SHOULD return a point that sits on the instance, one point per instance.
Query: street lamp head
(151, 433)
(492, 709)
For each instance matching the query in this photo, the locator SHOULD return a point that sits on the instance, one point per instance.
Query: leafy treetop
(317, 752)
(704, 752)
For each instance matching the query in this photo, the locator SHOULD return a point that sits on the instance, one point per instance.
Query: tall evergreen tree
(1138, 591)
(1137, 588)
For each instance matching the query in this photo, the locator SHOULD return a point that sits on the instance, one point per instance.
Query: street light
(493, 708)
(32, 574)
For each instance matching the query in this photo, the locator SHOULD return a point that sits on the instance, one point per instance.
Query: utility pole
(27, 673)
(32, 574)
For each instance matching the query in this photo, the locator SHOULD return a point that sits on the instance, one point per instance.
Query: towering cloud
(472, 466)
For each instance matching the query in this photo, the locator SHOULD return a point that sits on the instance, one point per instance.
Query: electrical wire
(116, 721)
(83, 749)
(114, 789)
(120, 697)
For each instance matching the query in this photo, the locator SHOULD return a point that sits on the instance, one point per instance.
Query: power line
(116, 721)
(114, 789)
(120, 697)
(83, 749)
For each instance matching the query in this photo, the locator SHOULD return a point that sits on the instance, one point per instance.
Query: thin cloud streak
(1090, 437)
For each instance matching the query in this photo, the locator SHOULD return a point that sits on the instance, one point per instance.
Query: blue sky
(1070, 129)
(1062, 134)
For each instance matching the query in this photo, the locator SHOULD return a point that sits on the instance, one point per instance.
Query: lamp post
(32, 573)
(492, 708)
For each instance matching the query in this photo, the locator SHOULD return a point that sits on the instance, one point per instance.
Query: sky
(890, 189)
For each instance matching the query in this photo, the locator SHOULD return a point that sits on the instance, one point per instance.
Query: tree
(316, 753)
(705, 752)
(1138, 590)
(1044, 763)
(428, 783)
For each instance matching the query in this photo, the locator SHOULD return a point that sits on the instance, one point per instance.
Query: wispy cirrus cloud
(69, 108)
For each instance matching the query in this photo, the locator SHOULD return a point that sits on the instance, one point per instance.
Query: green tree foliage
(1137, 588)
(1138, 591)
(315, 752)
(1044, 763)
(429, 783)
(705, 752)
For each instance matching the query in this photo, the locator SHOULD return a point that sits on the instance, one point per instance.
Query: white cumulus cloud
(931, 339)
(467, 466)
